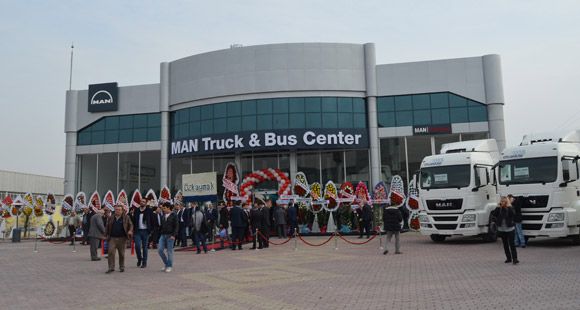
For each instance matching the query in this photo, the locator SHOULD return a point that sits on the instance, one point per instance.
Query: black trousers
(364, 226)
(72, 230)
(509, 245)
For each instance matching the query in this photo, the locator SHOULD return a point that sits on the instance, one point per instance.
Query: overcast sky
(124, 41)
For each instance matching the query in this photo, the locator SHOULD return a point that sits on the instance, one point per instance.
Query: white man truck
(542, 173)
(456, 191)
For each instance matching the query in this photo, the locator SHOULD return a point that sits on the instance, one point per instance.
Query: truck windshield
(528, 170)
(456, 176)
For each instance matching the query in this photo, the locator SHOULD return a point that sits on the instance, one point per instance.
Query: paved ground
(459, 274)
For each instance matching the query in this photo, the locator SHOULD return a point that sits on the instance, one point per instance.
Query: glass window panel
(312, 104)
(206, 127)
(194, 129)
(182, 116)
(280, 121)
(439, 100)
(88, 173)
(313, 120)
(309, 164)
(150, 166)
(234, 108)
(249, 122)
(442, 139)
(345, 104)
(345, 120)
(154, 120)
(458, 115)
(125, 121)
(153, 134)
(422, 117)
(220, 110)
(284, 162)
(264, 106)
(360, 120)
(456, 101)
(329, 120)
(265, 161)
(387, 119)
(329, 104)
(246, 165)
(194, 114)
(112, 122)
(202, 164)
(179, 167)
(125, 136)
(140, 120)
(404, 118)
(296, 105)
(129, 172)
(421, 102)
(385, 104)
(393, 160)
(359, 105)
(403, 103)
(234, 124)
(474, 136)
(183, 131)
(440, 116)
(98, 137)
(206, 111)
(111, 136)
(477, 114)
(280, 105)
(296, 120)
(332, 168)
(107, 173)
(219, 125)
(98, 125)
(248, 107)
(264, 122)
(357, 166)
(472, 103)
(84, 138)
(139, 134)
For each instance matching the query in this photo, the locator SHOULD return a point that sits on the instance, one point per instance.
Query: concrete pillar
(493, 81)
(164, 108)
(70, 129)
(371, 93)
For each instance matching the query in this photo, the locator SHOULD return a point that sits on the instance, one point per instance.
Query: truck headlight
(423, 218)
(556, 217)
(468, 218)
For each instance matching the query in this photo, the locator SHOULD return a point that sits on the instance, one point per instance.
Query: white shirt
(142, 225)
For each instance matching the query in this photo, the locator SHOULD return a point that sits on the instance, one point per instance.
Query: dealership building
(325, 109)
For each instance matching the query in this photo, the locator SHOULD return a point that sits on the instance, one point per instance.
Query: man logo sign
(103, 97)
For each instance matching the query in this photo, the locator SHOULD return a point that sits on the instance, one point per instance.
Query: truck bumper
(450, 225)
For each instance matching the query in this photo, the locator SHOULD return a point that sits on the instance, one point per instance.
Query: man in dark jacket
(211, 214)
(256, 223)
(119, 229)
(86, 224)
(143, 226)
(392, 219)
(366, 219)
(182, 218)
(237, 219)
(292, 218)
(96, 233)
(520, 240)
(168, 232)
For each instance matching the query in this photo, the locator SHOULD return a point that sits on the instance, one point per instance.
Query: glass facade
(117, 171)
(428, 109)
(269, 114)
(122, 129)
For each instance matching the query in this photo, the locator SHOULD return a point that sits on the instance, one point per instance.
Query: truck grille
(446, 204)
(531, 226)
(534, 202)
(446, 226)
(532, 217)
(445, 218)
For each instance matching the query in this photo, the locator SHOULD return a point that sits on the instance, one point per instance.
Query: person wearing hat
(143, 226)
(119, 229)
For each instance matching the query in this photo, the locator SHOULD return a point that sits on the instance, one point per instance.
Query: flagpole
(71, 66)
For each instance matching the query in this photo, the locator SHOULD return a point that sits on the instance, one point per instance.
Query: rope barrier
(356, 243)
(312, 244)
(272, 242)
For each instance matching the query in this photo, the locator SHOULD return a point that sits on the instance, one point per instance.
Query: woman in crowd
(504, 216)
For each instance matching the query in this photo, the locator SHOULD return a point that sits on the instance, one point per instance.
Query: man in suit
(211, 214)
(143, 225)
(265, 210)
(119, 230)
(293, 218)
(366, 219)
(256, 224)
(237, 220)
(168, 232)
(96, 233)
(86, 224)
(182, 220)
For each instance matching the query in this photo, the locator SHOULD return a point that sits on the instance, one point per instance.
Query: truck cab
(456, 191)
(542, 173)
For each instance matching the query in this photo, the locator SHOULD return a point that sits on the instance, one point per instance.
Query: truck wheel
(438, 238)
(575, 239)
(491, 235)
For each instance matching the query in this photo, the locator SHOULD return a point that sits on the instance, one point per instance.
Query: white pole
(71, 66)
